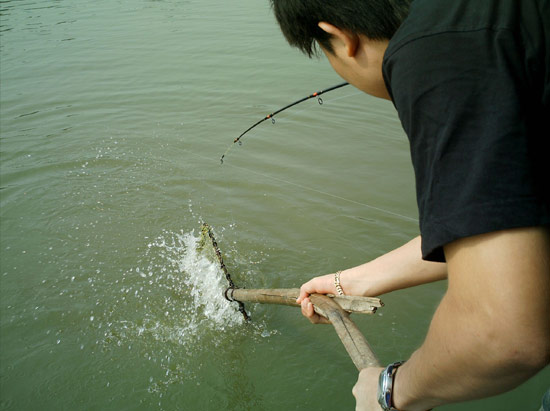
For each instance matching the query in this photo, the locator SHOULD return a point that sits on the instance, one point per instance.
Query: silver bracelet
(337, 283)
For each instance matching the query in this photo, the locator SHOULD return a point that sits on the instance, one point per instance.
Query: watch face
(387, 398)
(385, 383)
(384, 391)
(381, 391)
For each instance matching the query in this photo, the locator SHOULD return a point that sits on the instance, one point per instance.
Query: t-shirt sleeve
(473, 113)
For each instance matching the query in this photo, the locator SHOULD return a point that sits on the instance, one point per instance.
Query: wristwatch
(385, 386)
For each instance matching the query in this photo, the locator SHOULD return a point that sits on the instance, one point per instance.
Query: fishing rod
(272, 115)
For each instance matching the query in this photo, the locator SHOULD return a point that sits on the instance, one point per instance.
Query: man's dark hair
(376, 19)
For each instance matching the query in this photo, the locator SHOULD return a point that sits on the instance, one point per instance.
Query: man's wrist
(401, 395)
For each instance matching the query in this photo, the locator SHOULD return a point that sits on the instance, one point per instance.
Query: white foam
(171, 309)
(206, 283)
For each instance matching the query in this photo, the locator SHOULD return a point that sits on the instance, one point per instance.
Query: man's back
(471, 83)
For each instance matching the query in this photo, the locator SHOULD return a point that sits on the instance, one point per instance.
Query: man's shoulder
(430, 18)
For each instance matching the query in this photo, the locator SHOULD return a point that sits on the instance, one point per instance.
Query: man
(470, 80)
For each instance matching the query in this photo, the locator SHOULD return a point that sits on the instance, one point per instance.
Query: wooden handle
(354, 341)
(328, 306)
(288, 296)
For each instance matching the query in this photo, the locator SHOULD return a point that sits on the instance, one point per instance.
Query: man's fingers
(301, 297)
(306, 311)
(315, 285)
(305, 290)
(309, 312)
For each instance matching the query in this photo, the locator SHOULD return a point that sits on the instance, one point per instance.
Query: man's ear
(344, 38)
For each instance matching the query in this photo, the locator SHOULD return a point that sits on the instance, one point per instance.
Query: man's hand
(320, 285)
(365, 390)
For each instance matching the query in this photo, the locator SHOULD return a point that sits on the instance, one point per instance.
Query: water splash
(177, 295)
(202, 280)
(171, 312)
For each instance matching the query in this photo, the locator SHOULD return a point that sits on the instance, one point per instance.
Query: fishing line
(314, 190)
(272, 115)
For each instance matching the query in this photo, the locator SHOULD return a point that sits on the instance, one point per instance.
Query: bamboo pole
(328, 306)
(354, 341)
(288, 296)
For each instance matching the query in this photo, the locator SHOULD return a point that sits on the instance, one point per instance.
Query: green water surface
(113, 117)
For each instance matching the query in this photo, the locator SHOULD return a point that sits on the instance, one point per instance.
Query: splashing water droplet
(179, 313)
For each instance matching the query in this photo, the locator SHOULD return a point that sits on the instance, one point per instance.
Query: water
(113, 117)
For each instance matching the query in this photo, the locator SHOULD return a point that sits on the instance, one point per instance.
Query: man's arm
(400, 268)
(491, 331)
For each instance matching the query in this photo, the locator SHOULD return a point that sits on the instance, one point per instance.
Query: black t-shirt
(470, 80)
